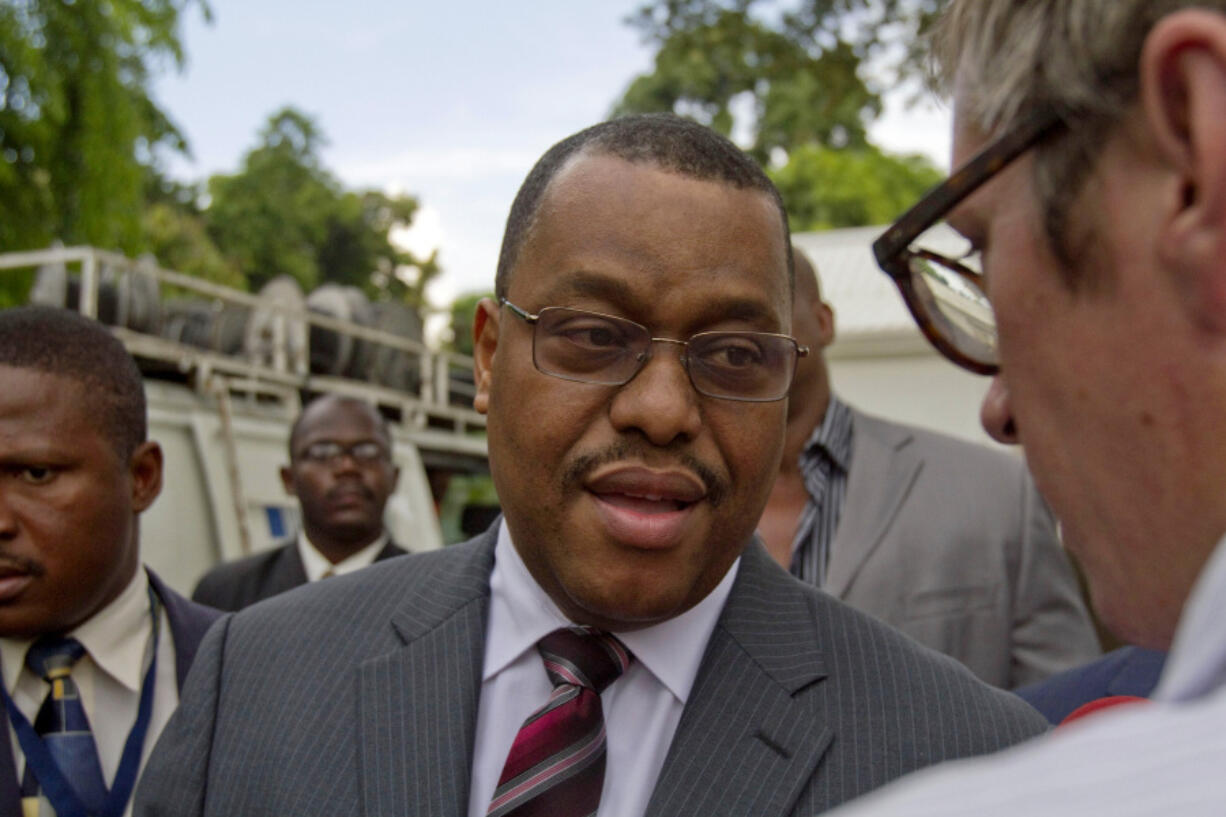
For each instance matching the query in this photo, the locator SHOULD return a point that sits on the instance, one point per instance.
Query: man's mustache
(583, 464)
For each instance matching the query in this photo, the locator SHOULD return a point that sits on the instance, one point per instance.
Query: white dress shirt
(109, 676)
(316, 564)
(1167, 757)
(641, 708)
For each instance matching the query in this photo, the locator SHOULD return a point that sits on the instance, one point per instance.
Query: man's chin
(629, 604)
(358, 533)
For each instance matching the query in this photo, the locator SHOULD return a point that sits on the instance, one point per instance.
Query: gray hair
(1076, 58)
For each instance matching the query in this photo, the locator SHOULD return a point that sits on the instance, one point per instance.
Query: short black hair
(670, 142)
(381, 424)
(64, 343)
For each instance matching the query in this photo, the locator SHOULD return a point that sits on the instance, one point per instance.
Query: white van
(226, 373)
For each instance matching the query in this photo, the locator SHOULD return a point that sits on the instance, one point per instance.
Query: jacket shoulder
(958, 714)
(235, 584)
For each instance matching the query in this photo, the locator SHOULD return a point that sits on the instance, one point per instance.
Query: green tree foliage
(826, 188)
(463, 314)
(283, 212)
(710, 56)
(798, 68)
(78, 129)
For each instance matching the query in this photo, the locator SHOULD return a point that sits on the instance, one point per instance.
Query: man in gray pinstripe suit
(633, 370)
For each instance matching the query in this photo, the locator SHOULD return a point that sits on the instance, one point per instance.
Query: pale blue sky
(449, 101)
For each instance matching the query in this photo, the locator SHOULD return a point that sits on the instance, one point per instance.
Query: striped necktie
(62, 724)
(556, 765)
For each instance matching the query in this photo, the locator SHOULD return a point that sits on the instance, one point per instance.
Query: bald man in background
(944, 539)
(341, 471)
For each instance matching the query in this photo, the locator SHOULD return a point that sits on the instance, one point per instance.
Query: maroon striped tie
(556, 766)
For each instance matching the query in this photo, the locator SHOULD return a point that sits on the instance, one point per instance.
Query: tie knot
(583, 656)
(53, 656)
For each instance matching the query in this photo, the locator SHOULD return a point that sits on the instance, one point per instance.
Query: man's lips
(643, 507)
(350, 495)
(13, 580)
(635, 486)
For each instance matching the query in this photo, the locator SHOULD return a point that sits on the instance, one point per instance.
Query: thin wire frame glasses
(945, 295)
(591, 347)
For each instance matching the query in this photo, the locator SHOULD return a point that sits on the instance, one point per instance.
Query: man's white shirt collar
(1197, 661)
(316, 564)
(116, 638)
(522, 613)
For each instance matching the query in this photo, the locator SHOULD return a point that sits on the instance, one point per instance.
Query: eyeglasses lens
(950, 293)
(326, 451)
(591, 348)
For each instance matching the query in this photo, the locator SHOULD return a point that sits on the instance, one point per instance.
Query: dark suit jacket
(1126, 671)
(188, 623)
(243, 582)
(359, 695)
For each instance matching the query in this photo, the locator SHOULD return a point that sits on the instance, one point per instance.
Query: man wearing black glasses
(1090, 137)
(617, 644)
(341, 471)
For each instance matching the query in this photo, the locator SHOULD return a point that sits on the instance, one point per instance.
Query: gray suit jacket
(358, 696)
(950, 542)
(242, 582)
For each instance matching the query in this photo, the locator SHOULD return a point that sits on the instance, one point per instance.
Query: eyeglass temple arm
(964, 181)
(528, 317)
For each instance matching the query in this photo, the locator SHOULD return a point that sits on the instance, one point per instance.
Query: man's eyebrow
(742, 309)
(586, 283)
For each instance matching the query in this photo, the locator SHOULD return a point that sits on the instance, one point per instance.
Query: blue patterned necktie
(62, 724)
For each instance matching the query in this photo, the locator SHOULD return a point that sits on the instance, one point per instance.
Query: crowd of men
(712, 583)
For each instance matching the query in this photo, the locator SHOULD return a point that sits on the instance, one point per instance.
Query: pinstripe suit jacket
(358, 696)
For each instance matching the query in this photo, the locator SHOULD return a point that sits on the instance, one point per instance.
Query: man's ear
(825, 322)
(287, 479)
(145, 466)
(1183, 99)
(485, 344)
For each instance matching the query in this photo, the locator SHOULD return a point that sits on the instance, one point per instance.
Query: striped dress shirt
(824, 464)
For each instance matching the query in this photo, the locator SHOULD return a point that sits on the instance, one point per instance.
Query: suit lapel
(188, 624)
(10, 790)
(390, 550)
(287, 571)
(750, 738)
(1137, 674)
(883, 468)
(417, 706)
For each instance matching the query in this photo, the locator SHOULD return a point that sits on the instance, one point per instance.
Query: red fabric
(1099, 704)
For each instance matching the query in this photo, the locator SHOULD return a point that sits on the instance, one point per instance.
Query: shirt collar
(832, 435)
(316, 564)
(1197, 661)
(116, 638)
(521, 613)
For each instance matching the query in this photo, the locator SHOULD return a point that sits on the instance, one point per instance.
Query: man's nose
(345, 461)
(660, 400)
(8, 517)
(996, 414)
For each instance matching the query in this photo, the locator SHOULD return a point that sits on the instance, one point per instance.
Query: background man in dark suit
(946, 540)
(75, 473)
(633, 370)
(340, 469)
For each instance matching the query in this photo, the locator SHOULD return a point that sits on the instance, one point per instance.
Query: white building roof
(871, 319)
